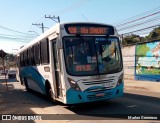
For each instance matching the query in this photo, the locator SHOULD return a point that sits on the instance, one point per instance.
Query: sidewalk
(129, 84)
(149, 86)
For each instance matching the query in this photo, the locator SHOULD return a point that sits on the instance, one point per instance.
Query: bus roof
(42, 36)
(55, 29)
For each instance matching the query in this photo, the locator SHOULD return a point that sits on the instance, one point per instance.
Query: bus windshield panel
(92, 55)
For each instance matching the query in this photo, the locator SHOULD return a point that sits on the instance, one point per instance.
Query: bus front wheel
(49, 93)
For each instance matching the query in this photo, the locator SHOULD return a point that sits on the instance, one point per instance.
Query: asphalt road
(16, 100)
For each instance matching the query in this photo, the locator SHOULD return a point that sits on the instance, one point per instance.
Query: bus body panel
(34, 79)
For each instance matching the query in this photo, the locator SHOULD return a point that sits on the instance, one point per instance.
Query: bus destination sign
(89, 29)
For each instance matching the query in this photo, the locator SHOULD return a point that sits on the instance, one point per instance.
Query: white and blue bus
(73, 63)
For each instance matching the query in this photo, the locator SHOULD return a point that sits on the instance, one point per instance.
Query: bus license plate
(99, 94)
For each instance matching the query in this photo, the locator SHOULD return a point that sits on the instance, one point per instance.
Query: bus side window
(32, 56)
(23, 60)
(28, 58)
(37, 54)
(44, 48)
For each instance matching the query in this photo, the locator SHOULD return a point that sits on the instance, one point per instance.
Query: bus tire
(26, 84)
(49, 93)
(21, 81)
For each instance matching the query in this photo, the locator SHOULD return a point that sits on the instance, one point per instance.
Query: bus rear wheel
(26, 84)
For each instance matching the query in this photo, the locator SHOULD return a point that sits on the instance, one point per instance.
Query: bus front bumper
(74, 97)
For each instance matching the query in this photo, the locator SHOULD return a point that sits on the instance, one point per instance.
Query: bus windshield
(92, 55)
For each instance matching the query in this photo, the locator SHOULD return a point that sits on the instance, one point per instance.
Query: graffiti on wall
(148, 58)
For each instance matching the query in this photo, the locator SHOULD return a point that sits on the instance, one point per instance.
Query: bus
(73, 63)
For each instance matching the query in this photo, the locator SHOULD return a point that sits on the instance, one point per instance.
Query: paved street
(16, 100)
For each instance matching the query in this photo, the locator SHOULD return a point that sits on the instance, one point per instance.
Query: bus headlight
(74, 84)
(120, 79)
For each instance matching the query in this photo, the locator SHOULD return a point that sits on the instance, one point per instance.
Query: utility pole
(53, 18)
(40, 26)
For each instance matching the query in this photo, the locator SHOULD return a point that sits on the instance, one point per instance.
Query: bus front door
(57, 83)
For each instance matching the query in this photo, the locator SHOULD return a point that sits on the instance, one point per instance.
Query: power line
(16, 38)
(85, 17)
(64, 10)
(142, 29)
(70, 8)
(137, 16)
(20, 36)
(138, 24)
(138, 19)
(12, 30)
(13, 38)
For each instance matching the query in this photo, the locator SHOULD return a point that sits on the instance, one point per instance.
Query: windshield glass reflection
(92, 55)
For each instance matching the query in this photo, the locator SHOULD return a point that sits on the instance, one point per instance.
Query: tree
(153, 35)
(2, 54)
(132, 39)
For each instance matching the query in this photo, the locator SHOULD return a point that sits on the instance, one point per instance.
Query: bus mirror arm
(59, 45)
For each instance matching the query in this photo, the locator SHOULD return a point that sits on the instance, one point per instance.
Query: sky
(18, 15)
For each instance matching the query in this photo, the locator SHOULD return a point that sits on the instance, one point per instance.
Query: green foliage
(9, 60)
(133, 39)
(154, 34)
(141, 50)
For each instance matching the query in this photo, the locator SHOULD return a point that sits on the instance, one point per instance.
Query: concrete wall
(128, 53)
(129, 61)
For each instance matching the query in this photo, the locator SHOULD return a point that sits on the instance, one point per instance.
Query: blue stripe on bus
(74, 96)
(35, 76)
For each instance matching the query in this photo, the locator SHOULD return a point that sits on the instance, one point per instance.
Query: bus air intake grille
(99, 96)
(98, 82)
(98, 89)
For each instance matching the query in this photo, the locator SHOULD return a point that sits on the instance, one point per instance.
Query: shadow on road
(11, 102)
(16, 100)
(121, 108)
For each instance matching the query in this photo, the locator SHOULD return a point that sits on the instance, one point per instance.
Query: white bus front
(93, 62)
